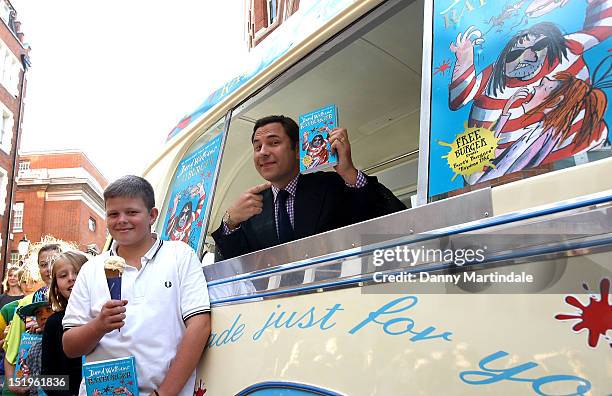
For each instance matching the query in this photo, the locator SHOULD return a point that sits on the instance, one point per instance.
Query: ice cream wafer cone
(113, 269)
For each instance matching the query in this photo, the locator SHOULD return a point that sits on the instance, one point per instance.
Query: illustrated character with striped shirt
(179, 226)
(554, 103)
(539, 52)
(317, 147)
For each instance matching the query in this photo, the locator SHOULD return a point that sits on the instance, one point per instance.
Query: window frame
(18, 214)
(7, 124)
(3, 190)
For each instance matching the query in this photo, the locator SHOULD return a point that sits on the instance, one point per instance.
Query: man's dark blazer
(323, 202)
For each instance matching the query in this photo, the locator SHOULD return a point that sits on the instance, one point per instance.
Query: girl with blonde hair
(54, 361)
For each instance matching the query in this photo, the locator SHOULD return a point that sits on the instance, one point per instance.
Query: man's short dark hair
(291, 127)
(131, 186)
(557, 50)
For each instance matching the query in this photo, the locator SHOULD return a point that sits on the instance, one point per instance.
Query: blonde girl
(64, 272)
(63, 275)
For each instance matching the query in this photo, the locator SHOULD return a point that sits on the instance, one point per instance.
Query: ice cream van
(488, 119)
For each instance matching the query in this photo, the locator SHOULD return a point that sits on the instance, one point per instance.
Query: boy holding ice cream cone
(153, 290)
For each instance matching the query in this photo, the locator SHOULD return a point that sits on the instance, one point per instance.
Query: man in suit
(292, 206)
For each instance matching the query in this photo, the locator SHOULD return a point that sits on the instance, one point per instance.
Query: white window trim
(3, 190)
(7, 138)
(20, 229)
(10, 68)
(269, 15)
(5, 12)
(24, 165)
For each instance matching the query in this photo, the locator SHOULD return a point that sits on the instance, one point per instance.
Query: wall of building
(12, 39)
(61, 160)
(61, 191)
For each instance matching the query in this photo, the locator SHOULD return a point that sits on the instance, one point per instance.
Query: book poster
(315, 131)
(190, 194)
(515, 85)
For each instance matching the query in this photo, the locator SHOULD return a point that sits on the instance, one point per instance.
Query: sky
(112, 78)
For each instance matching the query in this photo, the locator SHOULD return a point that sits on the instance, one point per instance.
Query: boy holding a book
(161, 317)
(30, 347)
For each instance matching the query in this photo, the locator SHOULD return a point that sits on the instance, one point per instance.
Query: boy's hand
(112, 316)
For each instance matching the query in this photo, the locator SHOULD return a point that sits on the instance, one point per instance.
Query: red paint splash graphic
(200, 391)
(442, 68)
(596, 317)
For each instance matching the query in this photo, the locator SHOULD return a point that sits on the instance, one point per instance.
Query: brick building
(58, 193)
(13, 66)
(264, 16)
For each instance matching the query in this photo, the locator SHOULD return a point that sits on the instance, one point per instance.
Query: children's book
(315, 131)
(111, 377)
(191, 194)
(26, 343)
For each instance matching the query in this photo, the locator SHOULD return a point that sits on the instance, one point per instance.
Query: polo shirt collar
(148, 255)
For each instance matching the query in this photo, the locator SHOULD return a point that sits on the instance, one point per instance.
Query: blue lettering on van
(392, 323)
(308, 319)
(227, 336)
(490, 375)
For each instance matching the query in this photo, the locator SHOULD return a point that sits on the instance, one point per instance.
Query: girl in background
(10, 286)
(54, 362)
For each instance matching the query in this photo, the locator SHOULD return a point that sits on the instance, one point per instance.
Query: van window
(374, 80)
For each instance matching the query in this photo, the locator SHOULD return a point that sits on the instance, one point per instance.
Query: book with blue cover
(111, 377)
(27, 341)
(191, 194)
(315, 131)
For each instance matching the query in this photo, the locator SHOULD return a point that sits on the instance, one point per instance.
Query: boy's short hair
(131, 186)
(289, 125)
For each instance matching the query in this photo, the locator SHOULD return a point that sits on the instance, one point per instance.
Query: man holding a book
(292, 205)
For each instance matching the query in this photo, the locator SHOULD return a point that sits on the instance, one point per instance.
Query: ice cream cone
(112, 273)
(113, 269)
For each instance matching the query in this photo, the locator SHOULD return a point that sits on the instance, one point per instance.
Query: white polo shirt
(168, 289)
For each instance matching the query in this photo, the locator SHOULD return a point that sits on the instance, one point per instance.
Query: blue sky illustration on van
(284, 389)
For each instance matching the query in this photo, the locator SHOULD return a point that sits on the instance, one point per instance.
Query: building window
(18, 217)
(272, 9)
(92, 224)
(14, 257)
(24, 165)
(5, 12)
(10, 67)
(3, 189)
(6, 129)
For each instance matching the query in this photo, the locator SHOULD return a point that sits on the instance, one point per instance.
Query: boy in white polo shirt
(163, 315)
